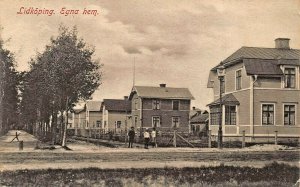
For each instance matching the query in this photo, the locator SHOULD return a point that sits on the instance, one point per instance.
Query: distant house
(78, 119)
(199, 123)
(93, 115)
(162, 107)
(116, 114)
(260, 93)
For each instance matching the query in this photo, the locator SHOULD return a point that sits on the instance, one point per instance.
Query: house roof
(117, 105)
(93, 105)
(228, 99)
(202, 118)
(161, 92)
(77, 111)
(283, 56)
(262, 67)
(263, 53)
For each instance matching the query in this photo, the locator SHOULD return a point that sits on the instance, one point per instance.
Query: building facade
(116, 115)
(162, 107)
(260, 93)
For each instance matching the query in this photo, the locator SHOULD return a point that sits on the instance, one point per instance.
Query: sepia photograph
(150, 93)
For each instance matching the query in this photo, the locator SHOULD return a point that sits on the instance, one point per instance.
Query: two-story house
(78, 119)
(116, 114)
(260, 93)
(93, 115)
(162, 107)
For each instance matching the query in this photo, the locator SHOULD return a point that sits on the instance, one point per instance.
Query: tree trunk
(65, 127)
(65, 131)
(53, 127)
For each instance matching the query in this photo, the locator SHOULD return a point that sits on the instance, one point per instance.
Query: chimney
(282, 43)
(125, 97)
(162, 85)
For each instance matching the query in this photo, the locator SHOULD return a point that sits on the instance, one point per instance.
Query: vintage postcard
(149, 93)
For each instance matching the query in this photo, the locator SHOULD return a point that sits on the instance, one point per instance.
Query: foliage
(203, 176)
(62, 75)
(9, 80)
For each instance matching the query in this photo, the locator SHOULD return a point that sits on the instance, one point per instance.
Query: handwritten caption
(63, 11)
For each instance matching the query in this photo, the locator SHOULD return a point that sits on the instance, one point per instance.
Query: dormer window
(289, 77)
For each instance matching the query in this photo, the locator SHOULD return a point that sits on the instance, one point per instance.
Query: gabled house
(116, 114)
(260, 93)
(162, 107)
(78, 119)
(93, 115)
(199, 123)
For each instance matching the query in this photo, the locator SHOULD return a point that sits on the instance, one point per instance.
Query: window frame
(118, 124)
(232, 119)
(290, 77)
(98, 124)
(178, 105)
(156, 104)
(295, 114)
(274, 114)
(178, 121)
(159, 121)
(238, 78)
(215, 114)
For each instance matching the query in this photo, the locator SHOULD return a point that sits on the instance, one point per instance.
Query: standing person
(153, 137)
(131, 135)
(17, 136)
(146, 138)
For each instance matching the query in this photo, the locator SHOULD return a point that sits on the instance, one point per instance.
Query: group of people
(149, 136)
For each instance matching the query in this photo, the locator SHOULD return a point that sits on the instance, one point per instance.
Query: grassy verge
(271, 175)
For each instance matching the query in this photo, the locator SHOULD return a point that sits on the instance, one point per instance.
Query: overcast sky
(175, 42)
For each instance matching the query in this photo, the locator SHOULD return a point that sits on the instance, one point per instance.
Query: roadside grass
(274, 174)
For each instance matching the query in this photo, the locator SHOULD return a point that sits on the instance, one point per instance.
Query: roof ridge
(162, 87)
(269, 48)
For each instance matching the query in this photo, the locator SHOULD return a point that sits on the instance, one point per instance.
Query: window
(222, 84)
(118, 124)
(238, 79)
(98, 123)
(135, 121)
(135, 104)
(155, 121)
(268, 114)
(215, 115)
(175, 122)
(289, 114)
(230, 115)
(155, 104)
(289, 77)
(175, 105)
(105, 124)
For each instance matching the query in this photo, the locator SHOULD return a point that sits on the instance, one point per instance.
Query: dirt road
(85, 155)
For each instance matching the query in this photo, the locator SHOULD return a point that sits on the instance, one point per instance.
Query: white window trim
(159, 124)
(116, 124)
(159, 104)
(296, 106)
(297, 81)
(261, 110)
(235, 79)
(178, 121)
(235, 116)
(178, 104)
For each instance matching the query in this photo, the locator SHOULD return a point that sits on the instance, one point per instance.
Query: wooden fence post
(209, 138)
(276, 137)
(243, 141)
(174, 139)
